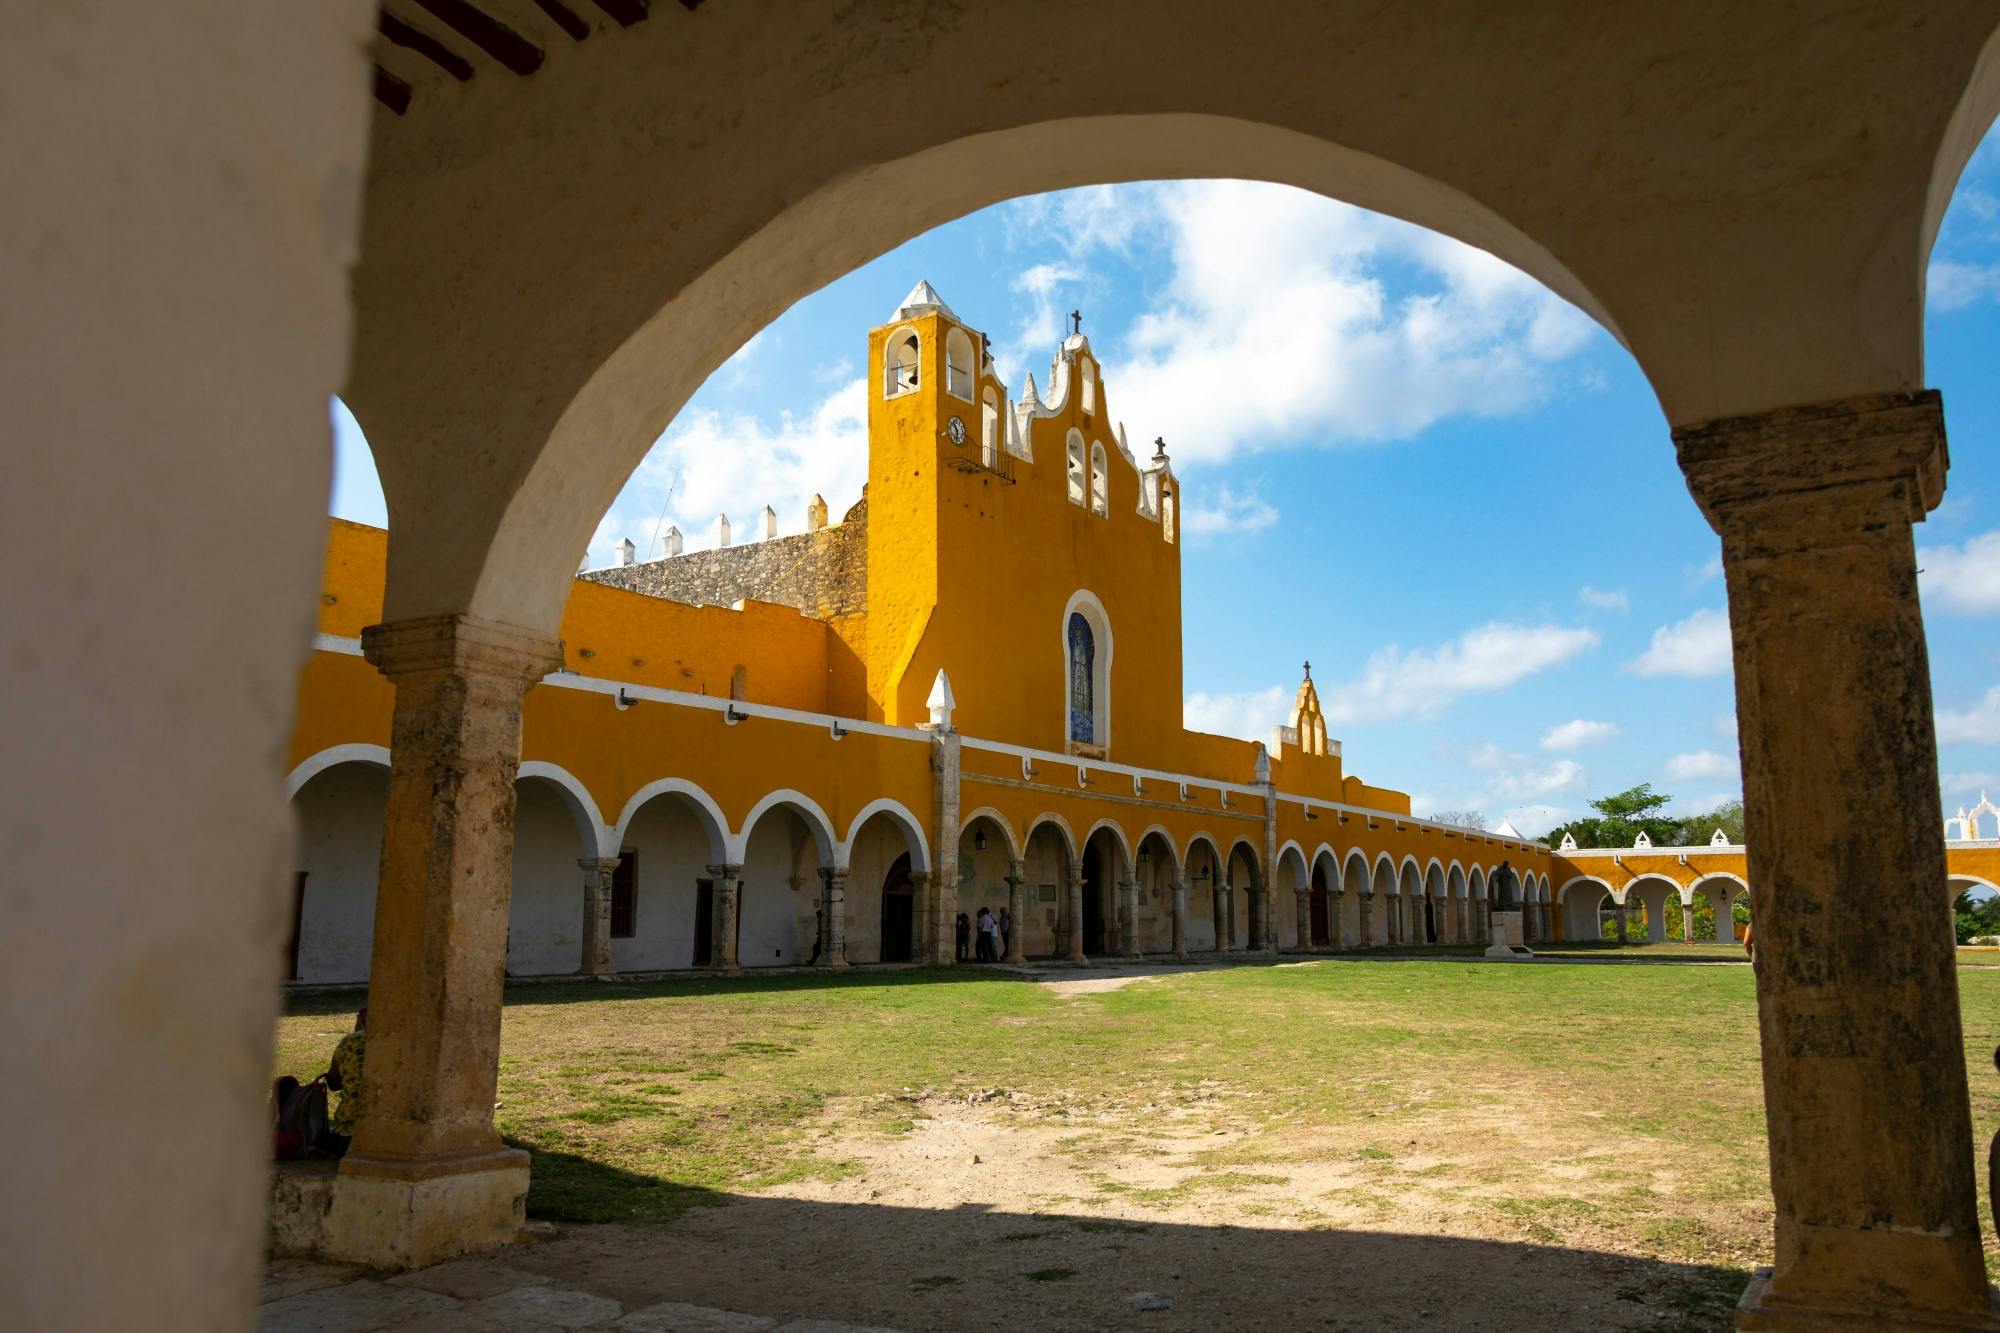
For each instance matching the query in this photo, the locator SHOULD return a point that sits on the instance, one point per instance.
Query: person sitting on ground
(344, 1076)
(986, 928)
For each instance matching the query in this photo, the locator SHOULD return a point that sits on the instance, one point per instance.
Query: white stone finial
(923, 296)
(1263, 763)
(721, 530)
(1568, 843)
(1643, 840)
(1031, 394)
(941, 702)
(770, 522)
(1718, 839)
(816, 514)
(627, 552)
(674, 541)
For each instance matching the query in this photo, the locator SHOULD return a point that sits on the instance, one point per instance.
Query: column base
(1757, 1311)
(832, 964)
(399, 1214)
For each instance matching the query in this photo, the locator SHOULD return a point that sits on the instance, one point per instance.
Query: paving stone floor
(472, 1296)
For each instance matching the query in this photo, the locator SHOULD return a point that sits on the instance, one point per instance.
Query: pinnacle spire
(923, 296)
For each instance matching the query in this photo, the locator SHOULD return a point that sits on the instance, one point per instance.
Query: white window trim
(1086, 602)
(889, 346)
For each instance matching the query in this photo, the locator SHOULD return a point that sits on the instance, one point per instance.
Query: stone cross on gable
(1076, 321)
(1309, 669)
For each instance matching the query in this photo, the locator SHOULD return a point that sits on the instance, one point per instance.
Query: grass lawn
(1610, 1107)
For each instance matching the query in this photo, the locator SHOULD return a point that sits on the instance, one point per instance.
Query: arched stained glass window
(1082, 678)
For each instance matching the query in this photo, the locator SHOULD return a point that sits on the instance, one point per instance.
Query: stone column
(1302, 938)
(937, 899)
(1180, 912)
(427, 1176)
(1225, 915)
(1395, 909)
(1687, 923)
(1857, 994)
(597, 875)
(728, 882)
(833, 918)
(1017, 911)
(922, 882)
(1618, 919)
(1128, 911)
(1073, 928)
(1365, 918)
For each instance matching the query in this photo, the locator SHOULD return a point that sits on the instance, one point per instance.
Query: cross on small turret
(1159, 446)
(1076, 321)
(1309, 670)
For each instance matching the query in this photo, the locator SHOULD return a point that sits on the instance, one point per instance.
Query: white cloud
(1701, 766)
(1248, 716)
(1968, 784)
(708, 463)
(1536, 820)
(1615, 599)
(1226, 513)
(1525, 784)
(1954, 286)
(1277, 325)
(1481, 661)
(1697, 646)
(1962, 578)
(1042, 327)
(1574, 735)
(1977, 725)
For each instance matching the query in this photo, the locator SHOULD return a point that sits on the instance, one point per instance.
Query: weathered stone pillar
(1366, 919)
(1017, 911)
(597, 876)
(1687, 923)
(833, 917)
(1463, 922)
(937, 900)
(1225, 914)
(1336, 918)
(1864, 1059)
(1618, 919)
(1073, 928)
(1180, 912)
(1302, 938)
(1395, 924)
(1128, 916)
(427, 1176)
(728, 890)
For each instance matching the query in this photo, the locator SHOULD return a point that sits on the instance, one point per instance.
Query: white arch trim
(913, 830)
(1702, 879)
(832, 852)
(1117, 836)
(355, 753)
(589, 823)
(1291, 848)
(999, 821)
(1602, 886)
(708, 814)
(1683, 896)
(1060, 825)
(1165, 837)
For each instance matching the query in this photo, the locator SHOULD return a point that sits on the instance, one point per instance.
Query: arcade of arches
(515, 290)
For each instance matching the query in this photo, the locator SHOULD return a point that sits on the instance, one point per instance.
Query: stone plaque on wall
(1048, 893)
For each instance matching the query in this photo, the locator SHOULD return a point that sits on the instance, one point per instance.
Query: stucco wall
(545, 908)
(340, 850)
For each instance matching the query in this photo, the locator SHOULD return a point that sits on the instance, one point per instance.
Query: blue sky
(1400, 458)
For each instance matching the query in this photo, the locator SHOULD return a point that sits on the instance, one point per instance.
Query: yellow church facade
(818, 750)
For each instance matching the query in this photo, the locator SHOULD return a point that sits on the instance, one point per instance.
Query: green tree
(1621, 818)
(1696, 830)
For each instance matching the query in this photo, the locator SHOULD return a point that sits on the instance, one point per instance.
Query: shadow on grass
(564, 1187)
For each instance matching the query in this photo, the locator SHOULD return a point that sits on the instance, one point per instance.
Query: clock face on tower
(955, 428)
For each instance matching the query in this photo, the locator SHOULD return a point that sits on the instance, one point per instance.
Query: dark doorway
(704, 922)
(1321, 933)
(1093, 899)
(625, 896)
(298, 915)
(899, 912)
(1430, 920)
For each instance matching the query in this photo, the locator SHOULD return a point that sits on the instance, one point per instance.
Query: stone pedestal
(1865, 1097)
(727, 882)
(1506, 943)
(396, 1214)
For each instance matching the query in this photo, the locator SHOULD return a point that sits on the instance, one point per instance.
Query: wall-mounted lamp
(1309, 813)
(979, 840)
(624, 700)
(731, 716)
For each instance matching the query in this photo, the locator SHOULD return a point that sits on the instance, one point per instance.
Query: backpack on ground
(299, 1117)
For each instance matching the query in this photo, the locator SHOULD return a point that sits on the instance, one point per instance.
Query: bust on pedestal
(1506, 944)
